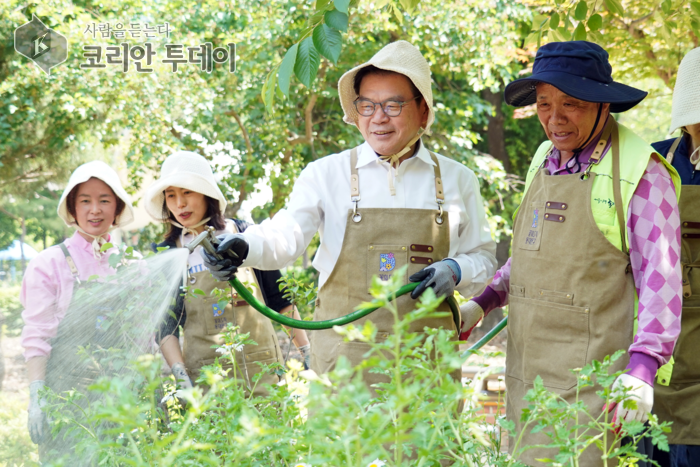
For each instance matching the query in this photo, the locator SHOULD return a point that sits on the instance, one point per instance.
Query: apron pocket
(384, 260)
(686, 368)
(531, 235)
(552, 339)
(215, 317)
(563, 298)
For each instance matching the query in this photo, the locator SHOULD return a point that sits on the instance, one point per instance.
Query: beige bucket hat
(686, 93)
(400, 57)
(99, 170)
(183, 169)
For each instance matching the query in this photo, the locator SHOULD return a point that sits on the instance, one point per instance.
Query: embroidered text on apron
(206, 322)
(679, 402)
(377, 242)
(568, 306)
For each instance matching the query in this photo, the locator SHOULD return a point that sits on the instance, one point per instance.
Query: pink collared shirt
(47, 290)
(654, 230)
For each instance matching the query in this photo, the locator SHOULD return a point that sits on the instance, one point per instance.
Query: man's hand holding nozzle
(232, 250)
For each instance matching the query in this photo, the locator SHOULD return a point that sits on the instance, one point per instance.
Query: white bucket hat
(99, 170)
(183, 169)
(400, 57)
(686, 93)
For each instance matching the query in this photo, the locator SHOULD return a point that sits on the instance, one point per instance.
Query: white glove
(181, 377)
(638, 391)
(471, 313)
(37, 424)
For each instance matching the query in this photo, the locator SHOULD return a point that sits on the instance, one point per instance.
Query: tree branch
(243, 190)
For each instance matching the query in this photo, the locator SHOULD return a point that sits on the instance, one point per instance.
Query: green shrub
(328, 420)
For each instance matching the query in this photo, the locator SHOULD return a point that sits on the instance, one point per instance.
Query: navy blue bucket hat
(579, 69)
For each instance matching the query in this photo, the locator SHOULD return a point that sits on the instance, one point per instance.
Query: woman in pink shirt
(93, 203)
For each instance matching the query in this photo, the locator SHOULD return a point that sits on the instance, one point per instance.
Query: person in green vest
(677, 389)
(596, 241)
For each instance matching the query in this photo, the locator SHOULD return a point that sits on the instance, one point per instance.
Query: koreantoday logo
(41, 44)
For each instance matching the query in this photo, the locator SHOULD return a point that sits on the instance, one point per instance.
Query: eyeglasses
(366, 107)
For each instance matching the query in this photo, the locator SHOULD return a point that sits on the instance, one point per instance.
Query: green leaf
(409, 5)
(337, 20)
(341, 5)
(595, 22)
(162, 248)
(106, 247)
(268, 90)
(538, 21)
(114, 260)
(286, 69)
(554, 21)
(381, 4)
(615, 7)
(94, 277)
(580, 32)
(198, 292)
(695, 6)
(666, 7)
(322, 4)
(328, 41)
(581, 10)
(565, 33)
(307, 62)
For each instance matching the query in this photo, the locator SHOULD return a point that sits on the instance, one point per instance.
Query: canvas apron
(206, 322)
(571, 297)
(378, 241)
(679, 401)
(68, 368)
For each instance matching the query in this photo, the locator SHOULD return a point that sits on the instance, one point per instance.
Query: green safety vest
(632, 167)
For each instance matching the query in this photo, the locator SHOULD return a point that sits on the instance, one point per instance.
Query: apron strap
(354, 178)
(439, 193)
(672, 149)
(71, 263)
(617, 192)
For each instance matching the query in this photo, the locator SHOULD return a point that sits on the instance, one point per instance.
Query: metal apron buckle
(438, 218)
(356, 216)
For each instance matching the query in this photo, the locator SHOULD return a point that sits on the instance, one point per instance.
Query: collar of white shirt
(366, 155)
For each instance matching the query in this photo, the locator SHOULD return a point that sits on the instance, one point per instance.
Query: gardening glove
(442, 277)
(638, 391)
(233, 249)
(305, 351)
(181, 377)
(471, 313)
(38, 426)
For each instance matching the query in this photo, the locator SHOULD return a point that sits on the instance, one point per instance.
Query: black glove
(442, 277)
(233, 249)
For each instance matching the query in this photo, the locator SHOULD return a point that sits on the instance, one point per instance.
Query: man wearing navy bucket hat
(596, 242)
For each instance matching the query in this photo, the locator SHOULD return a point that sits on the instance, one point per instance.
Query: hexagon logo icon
(42, 45)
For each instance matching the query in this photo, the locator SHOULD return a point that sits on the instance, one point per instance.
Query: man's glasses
(366, 107)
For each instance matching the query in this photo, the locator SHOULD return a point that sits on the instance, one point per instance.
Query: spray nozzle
(208, 241)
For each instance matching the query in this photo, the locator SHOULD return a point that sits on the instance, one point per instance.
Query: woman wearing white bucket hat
(93, 203)
(186, 195)
(677, 389)
(387, 203)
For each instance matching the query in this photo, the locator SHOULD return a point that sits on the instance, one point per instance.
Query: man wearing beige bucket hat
(387, 203)
(677, 388)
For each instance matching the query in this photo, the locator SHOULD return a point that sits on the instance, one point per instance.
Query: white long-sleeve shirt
(321, 198)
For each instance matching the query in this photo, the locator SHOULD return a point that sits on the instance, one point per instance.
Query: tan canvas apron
(378, 242)
(679, 402)
(571, 297)
(206, 322)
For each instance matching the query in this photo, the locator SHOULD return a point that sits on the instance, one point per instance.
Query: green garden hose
(329, 323)
(207, 239)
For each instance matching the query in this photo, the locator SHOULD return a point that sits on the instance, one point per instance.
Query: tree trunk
(496, 136)
(496, 129)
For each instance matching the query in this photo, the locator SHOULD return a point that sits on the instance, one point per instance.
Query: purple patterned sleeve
(654, 230)
(496, 294)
